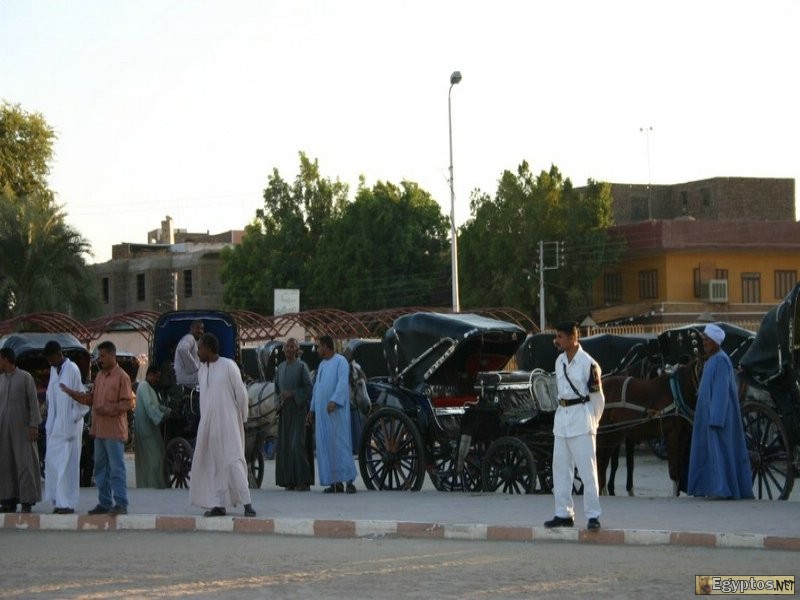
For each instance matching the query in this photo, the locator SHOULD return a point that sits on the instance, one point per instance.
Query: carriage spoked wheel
(391, 455)
(255, 469)
(178, 462)
(443, 473)
(769, 450)
(509, 466)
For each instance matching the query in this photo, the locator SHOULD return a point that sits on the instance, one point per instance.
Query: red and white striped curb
(404, 529)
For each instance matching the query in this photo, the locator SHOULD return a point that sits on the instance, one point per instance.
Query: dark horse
(640, 409)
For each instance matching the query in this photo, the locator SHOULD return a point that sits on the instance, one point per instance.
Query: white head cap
(715, 333)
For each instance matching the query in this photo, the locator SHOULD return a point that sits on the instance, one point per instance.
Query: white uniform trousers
(568, 453)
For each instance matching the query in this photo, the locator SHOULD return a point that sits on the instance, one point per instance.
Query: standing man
(580, 406)
(187, 362)
(64, 429)
(719, 465)
(219, 468)
(20, 480)
(110, 398)
(147, 416)
(330, 413)
(294, 456)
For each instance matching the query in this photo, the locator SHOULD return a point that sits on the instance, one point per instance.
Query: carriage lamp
(455, 77)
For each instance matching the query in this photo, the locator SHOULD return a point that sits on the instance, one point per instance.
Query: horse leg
(630, 446)
(606, 454)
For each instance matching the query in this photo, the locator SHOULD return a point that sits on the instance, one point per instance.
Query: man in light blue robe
(330, 413)
(719, 465)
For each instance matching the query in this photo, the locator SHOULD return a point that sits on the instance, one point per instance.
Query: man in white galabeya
(187, 363)
(580, 406)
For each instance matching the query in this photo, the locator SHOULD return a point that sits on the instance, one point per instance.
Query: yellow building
(675, 270)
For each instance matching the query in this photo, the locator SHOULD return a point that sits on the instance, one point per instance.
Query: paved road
(210, 565)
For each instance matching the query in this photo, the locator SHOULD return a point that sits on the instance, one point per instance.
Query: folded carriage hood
(416, 342)
(774, 356)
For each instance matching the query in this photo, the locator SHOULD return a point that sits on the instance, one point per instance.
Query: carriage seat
(544, 388)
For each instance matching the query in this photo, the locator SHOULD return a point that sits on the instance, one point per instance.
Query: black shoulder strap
(569, 381)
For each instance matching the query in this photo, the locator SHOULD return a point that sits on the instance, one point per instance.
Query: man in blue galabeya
(719, 465)
(330, 414)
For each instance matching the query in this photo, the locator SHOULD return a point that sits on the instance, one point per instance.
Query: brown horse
(640, 409)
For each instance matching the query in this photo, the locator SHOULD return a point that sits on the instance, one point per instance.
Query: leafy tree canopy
(500, 243)
(26, 148)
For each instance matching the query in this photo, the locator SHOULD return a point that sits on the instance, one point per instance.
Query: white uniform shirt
(187, 363)
(584, 372)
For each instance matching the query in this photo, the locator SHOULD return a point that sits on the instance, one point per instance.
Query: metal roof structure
(253, 327)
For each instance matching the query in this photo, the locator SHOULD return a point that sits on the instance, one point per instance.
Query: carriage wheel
(442, 473)
(510, 467)
(769, 450)
(178, 463)
(391, 455)
(255, 469)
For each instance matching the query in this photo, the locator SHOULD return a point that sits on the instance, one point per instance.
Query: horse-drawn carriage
(416, 421)
(770, 389)
(29, 350)
(179, 428)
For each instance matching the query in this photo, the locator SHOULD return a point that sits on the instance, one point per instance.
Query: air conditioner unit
(715, 291)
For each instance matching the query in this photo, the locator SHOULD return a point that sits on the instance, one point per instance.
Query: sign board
(286, 301)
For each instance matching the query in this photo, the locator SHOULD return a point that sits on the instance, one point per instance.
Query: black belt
(572, 401)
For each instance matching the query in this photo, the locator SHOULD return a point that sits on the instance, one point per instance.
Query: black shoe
(26, 508)
(118, 510)
(559, 522)
(99, 510)
(593, 525)
(7, 508)
(336, 488)
(63, 511)
(249, 511)
(217, 511)
(351, 489)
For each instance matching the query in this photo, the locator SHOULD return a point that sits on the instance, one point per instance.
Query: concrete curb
(370, 529)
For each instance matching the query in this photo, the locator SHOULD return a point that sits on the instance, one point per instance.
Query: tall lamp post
(646, 131)
(455, 77)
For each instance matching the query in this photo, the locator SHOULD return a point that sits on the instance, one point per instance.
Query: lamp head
(455, 77)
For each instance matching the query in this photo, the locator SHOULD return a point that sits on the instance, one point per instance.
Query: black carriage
(770, 390)
(179, 429)
(415, 425)
(29, 350)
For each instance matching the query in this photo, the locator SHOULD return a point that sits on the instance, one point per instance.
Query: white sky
(185, 107)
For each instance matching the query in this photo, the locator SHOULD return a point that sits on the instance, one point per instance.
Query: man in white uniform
(580, 406)
(219, 469)
(64, 428)
(187, 363)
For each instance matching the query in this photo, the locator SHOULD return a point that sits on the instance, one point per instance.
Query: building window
(648, 284)
(684, 202)
(638, 208)
(187, 283)
(784, 282)
(751, 288)
(106, 290)
(705, 194)
(612, 288)
(698, 282)
(140, 286)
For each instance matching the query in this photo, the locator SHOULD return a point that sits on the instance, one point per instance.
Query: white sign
(286, 301)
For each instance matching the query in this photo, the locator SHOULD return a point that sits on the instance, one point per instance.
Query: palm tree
(42, 266)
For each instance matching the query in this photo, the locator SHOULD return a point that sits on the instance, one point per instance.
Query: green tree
(388, 248)
(26, 148)
(500, 242)
(281, 241)
(41, 261)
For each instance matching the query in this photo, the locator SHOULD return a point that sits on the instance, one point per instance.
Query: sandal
(217, 511)
(336, 488)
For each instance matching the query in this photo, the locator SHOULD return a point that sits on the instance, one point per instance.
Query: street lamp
(647, 131)
(455, 77)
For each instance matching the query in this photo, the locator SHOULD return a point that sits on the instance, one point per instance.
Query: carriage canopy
(173, 325)
(426, 347)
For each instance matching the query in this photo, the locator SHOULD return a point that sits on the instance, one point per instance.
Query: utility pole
(557, 252)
